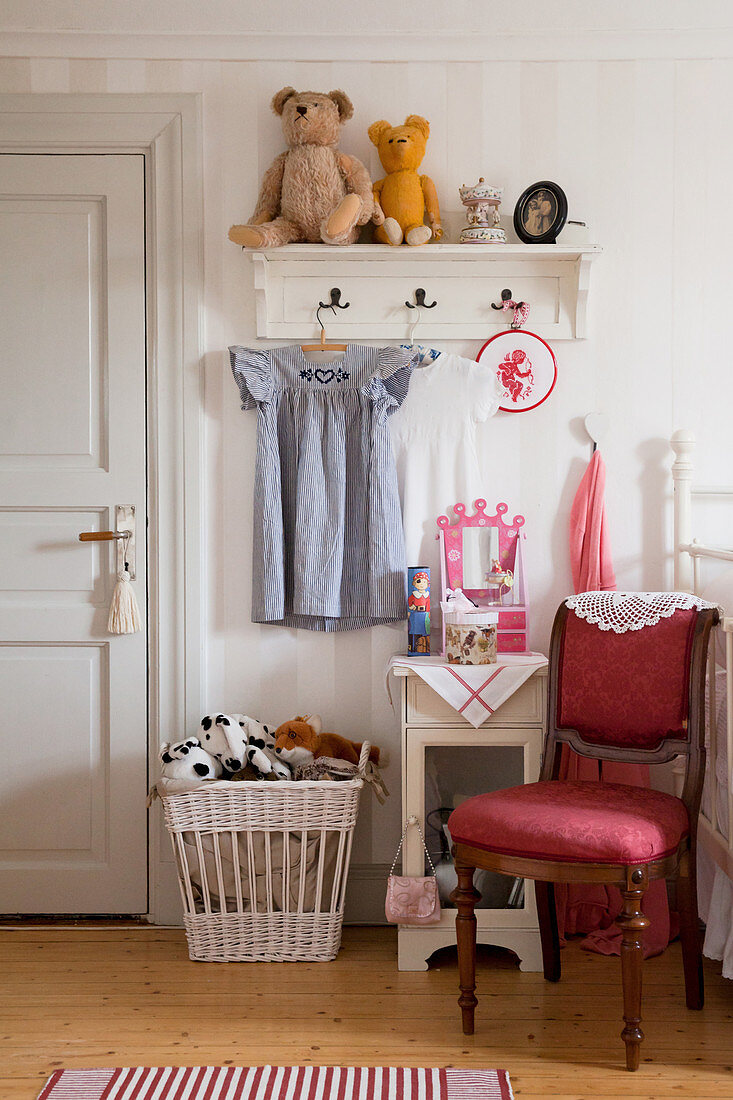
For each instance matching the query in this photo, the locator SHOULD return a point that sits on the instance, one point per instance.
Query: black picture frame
(548, 223)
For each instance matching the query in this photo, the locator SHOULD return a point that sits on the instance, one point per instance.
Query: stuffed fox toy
(300, 741)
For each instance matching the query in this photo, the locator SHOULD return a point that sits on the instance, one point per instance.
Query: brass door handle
(123, 537)
(102, 536)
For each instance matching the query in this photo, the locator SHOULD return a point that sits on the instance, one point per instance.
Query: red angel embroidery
(517, 382)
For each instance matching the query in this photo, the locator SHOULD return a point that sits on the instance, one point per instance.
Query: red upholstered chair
(636, 696)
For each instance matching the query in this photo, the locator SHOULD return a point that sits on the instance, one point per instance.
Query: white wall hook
(596, 425)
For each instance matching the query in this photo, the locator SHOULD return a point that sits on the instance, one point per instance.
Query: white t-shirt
(434, 437)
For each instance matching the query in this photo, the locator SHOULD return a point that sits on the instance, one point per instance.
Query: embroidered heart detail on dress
(325, 375)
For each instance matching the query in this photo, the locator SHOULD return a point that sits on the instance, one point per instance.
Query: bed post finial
(683, 445)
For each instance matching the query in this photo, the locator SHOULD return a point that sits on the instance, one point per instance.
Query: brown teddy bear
(312, 192)
(403, 195)
(300, 741)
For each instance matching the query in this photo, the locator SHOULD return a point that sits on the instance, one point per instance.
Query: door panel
(73, 836)
(39, 553)
(48, 247)
(68, 686)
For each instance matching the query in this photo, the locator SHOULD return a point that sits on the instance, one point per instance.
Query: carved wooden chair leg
(547, 916)
(465, 897)
(689, 931)
(633, 923)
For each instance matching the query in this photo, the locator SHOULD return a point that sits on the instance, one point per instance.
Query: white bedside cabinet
(444, 761)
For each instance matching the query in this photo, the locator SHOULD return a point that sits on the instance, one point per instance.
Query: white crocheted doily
(622, 611)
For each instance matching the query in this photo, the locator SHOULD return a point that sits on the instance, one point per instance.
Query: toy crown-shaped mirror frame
(509, 547)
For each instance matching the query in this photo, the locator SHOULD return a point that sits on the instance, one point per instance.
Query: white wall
(640, 144)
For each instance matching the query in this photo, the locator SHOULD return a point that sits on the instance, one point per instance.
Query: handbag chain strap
(411, 821)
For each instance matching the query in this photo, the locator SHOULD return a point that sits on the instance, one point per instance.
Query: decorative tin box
(472, 640)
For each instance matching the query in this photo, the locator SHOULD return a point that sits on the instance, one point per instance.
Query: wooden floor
(130, 996)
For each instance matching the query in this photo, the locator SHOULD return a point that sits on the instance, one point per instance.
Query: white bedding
(715, 889)
(721, 761)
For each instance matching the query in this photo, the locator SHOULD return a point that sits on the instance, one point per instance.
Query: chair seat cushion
(573, 822)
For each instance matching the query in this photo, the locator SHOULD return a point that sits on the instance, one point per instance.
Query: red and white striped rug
(277, 1083)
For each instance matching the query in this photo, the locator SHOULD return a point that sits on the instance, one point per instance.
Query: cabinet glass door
(454, 773)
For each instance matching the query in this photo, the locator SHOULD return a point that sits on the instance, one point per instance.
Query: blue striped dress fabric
(328, 545)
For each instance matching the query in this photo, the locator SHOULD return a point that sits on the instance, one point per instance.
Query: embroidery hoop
(510, 340)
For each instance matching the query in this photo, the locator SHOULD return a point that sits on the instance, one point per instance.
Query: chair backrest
(636, 696)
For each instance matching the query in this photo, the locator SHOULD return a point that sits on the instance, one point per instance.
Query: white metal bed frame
(688, 555)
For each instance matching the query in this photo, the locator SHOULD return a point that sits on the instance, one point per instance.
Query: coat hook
(506, 296)
(521, 309)
(335, 302)
(420, 300)
(596, 425)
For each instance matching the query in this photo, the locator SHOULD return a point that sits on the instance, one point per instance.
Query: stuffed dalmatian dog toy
(187, 760)
(221, 736)
(236, 740)
(261, 748)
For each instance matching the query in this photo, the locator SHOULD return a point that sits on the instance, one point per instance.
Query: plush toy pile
(237, 747)
(315, 192)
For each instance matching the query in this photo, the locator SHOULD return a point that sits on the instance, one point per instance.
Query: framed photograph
(540, 213)
(525, 366)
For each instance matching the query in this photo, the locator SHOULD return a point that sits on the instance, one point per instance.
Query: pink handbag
(412, 900)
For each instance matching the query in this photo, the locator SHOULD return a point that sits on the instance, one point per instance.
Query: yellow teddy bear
(403, 195)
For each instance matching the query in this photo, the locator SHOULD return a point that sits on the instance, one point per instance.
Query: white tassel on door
(124, 613)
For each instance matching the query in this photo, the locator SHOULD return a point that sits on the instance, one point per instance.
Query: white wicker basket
(262, 867)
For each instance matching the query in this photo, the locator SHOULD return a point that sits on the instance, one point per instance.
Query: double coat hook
(521, 309)
(420, 302)
(334, 304)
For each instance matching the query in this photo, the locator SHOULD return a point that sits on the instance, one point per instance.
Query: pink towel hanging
(590, 546)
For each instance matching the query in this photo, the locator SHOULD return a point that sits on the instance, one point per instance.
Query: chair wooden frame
(632, 880)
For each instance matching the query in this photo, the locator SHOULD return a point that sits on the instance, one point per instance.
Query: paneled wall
(640, 147)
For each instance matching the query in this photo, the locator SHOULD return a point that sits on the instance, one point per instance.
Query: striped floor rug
(277, 1083)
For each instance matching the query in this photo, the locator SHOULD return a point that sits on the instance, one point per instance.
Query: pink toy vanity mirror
(482, 555)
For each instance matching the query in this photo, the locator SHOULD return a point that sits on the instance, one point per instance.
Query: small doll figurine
(418, 607)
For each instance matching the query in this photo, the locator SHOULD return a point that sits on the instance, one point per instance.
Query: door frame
(166, 130)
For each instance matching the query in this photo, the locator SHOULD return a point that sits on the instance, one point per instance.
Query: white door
(73, 698)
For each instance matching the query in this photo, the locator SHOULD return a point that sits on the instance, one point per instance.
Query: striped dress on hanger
(329, 551)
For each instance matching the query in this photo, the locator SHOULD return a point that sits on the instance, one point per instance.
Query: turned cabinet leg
(689, 931)
(464, 898)
(633, 923)
(547, 917)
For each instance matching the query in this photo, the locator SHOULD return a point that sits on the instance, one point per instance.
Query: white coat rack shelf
(463, 281)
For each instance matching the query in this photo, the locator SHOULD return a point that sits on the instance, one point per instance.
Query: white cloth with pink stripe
(474, 691)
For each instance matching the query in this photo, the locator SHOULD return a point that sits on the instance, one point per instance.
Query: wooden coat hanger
(333, 304)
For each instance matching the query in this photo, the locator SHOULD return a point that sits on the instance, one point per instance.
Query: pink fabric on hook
(590, 546)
